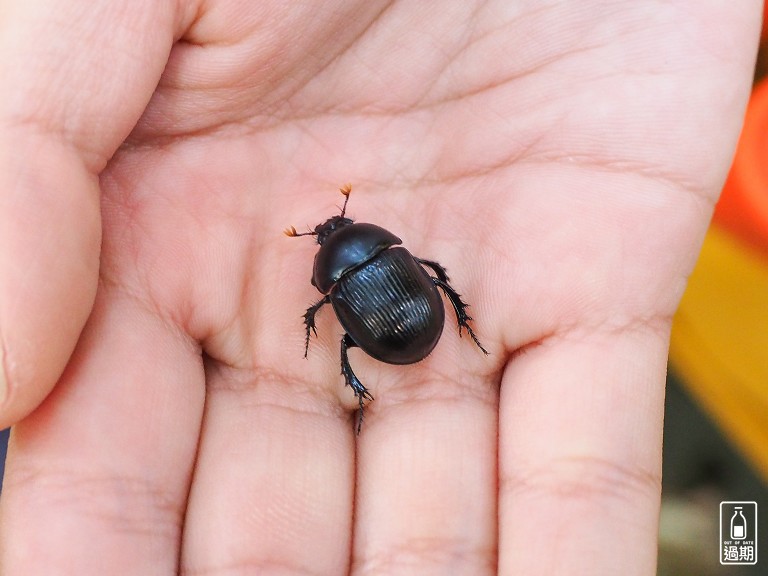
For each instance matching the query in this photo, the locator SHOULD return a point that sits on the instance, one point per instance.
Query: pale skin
(561, 161)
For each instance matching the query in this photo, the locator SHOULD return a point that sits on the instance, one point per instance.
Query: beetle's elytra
(385, 300)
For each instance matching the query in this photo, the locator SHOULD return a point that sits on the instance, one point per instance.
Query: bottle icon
(738, 525)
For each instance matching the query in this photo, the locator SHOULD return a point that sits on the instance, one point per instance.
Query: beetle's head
(322, 231)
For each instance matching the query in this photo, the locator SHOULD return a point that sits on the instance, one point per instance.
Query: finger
(580, 454)
(274, 479)
(98, 475)
(76, 76)
(426, 492)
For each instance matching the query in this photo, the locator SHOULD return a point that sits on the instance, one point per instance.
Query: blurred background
(716, 419)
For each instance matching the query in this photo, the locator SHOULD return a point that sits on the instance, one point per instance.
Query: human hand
(560, 161)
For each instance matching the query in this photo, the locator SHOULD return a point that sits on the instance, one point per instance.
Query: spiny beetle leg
(309, 320)
(459, 307)
(441, 272)
(351, 380)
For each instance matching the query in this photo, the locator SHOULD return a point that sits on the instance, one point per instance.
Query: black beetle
(384, 299)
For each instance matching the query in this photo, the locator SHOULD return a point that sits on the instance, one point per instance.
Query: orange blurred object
(764, 35)
(720, 332)
(743, 206)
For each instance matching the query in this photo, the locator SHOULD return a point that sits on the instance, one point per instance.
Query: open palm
(560, 161)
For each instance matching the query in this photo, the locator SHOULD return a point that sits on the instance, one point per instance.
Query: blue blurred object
(3, 447)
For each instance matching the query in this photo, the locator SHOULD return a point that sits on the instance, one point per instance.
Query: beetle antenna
(292, 232)
(346, 190)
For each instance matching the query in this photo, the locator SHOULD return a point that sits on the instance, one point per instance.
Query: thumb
(76, 77)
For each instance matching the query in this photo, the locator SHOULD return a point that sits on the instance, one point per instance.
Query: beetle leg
(309, 320)
(441, 273)
(351, 380)
(459, 307)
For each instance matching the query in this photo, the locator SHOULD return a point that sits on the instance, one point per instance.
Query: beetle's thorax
(330, 226)
(346, 247)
